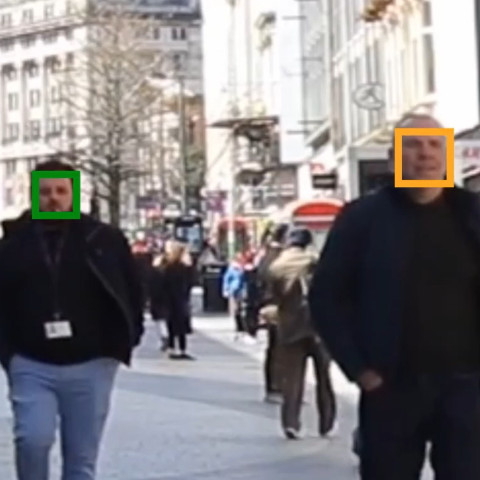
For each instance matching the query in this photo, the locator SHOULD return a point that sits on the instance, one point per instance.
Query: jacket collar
(89, 225)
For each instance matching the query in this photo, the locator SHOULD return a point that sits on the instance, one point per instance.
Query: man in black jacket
(70, 312)
(396, 299)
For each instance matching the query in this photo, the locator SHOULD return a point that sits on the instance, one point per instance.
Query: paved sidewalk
(204, 420)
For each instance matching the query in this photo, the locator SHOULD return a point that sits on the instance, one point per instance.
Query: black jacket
(111, 262)
(357, 289)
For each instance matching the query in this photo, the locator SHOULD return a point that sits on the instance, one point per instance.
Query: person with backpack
(290, 277)
(267, 312)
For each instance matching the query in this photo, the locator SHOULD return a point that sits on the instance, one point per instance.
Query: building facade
(41, 41)
(256, 140)
(389, 58)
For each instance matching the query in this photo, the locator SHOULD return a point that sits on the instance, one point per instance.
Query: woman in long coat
(178, 278)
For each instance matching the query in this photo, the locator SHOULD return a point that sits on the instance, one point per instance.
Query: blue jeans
(78, 396)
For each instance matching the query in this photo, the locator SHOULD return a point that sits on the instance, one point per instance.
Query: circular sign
(369, 96)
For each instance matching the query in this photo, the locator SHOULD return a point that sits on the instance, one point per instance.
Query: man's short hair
(300, 237)
(53, 165)
(404, 121)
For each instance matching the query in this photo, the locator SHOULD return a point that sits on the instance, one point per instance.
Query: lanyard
(53, 264)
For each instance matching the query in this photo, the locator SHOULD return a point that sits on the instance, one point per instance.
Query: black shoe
(292, 434)
(174, 356)
(185, 356)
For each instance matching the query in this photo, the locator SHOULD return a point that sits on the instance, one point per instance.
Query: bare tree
(107, 98)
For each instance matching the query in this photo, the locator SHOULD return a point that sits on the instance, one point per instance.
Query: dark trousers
(294, 360)
(402, 417)
(180, 339)
(272, 366)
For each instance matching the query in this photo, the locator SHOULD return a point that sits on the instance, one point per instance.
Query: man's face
(423, 157)
(56, 195)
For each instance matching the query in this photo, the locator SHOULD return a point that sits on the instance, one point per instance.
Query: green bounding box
(74, 214)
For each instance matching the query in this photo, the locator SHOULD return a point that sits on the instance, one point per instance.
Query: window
(54, 126)
(429, 63)
(8, 196)
(34, 98)
(178, 61)
(7, 45)
(53, 64)
(68, 7)
(49, 10)
(379, 61)
(69, 33)
(34, 129)
(350, 7)
(12, 133)
(32, 70)
(55, 94)
(415, 83)
(183, 33)
(50, 37)
(71, 131)
(427, 13)
(174, 34)
(32, 163)
(354, 119)
(339, 114)
(70, 60)
(28, 41)
(27, 16)
(6, 20)
(12, 101)
(10, 167)
(10, 73)
(157, 33)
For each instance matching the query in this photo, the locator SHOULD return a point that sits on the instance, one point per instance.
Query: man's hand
(369, 381)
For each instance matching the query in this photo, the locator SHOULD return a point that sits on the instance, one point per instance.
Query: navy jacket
(357, 289)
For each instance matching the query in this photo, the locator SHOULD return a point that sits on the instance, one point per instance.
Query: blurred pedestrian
(157, 301)
(71, 311)
(290, 276)
(268, 313)
(178, 281)
(234, 290)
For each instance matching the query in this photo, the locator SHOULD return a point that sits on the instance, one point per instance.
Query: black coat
(178, 280)
(156, 293)
(357, 290)
(111, 262)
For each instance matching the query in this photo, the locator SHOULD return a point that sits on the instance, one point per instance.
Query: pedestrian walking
(71, 311)
(274, 243)
(178, 281)
(234, 290)
(290, 276)
(395, 297)
(143, 256)
(157, 301)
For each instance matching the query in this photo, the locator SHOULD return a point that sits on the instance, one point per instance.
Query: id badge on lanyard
(58, 327)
